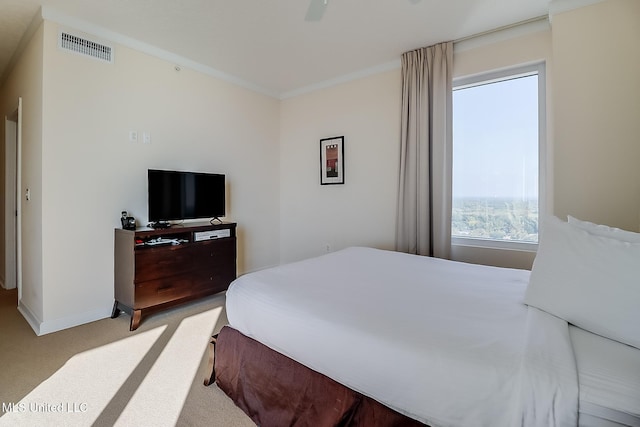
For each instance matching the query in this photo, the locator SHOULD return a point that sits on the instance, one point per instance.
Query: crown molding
(515, 30)
(396, 64)
(508, 32)
(53, 15)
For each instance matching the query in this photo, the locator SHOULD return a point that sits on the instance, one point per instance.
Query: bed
(365, 336)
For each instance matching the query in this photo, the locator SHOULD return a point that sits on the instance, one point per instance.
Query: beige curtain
(424, 201)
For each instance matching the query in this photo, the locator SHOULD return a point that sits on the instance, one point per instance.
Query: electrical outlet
(133, 136)
(146, 138)
(327, 247)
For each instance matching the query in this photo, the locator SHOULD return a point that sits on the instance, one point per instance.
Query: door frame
(13, 208)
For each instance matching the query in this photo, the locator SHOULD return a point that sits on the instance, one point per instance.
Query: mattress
(609, 378)
(445, 343)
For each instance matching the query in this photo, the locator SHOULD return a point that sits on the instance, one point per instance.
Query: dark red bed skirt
(274, 390)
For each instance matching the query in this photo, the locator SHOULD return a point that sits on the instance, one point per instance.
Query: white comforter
(446, 343)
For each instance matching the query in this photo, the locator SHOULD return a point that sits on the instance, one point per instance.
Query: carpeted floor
(101, 374)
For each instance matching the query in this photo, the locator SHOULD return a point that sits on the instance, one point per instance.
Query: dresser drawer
(166, 289)
(215, 253)
(155, 263)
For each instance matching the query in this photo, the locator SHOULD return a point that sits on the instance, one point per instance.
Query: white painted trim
(55, 325)
(10, 278)
(538, 68)
(535, 25)
(494, 244)
(343, 79)
(493, 36)
(31, 318)
(53, 15)
(76, 319)
(559, 6)
(18, 195)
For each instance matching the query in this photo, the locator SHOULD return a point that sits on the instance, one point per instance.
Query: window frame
(538, 68)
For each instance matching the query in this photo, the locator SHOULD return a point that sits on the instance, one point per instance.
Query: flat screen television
(176, 195)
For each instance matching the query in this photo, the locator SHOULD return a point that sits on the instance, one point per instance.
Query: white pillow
(590, 281)
(605, 231)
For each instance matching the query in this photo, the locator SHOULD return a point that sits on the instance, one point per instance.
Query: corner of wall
(77, 319)
(24, 42)
(560, 6)
(31, 318)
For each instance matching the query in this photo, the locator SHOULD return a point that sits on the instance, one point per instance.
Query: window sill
(495, 244)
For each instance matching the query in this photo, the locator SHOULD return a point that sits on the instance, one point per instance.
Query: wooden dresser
(159, 268)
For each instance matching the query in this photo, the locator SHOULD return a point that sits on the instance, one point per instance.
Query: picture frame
(332, 160)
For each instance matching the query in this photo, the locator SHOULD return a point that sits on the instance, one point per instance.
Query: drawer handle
(165, 289)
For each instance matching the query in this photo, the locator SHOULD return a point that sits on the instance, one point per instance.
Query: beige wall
(367, 112)
(363, 210)
(91, 171)
(597, 113)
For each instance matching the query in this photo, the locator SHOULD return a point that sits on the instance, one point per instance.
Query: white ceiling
(268, 43)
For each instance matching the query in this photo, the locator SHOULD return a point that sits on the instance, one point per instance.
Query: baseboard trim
(55, 325)
(78, 319)
(31, 319)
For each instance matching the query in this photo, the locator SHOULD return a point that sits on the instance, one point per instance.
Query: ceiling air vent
(85, 47)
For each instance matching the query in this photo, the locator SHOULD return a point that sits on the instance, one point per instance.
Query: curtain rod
(506, 27)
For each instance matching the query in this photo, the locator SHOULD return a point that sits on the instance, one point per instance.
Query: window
(498, 134)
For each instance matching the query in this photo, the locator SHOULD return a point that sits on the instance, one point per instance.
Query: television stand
(159, 268)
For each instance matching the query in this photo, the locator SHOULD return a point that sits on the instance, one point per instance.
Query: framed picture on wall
(332, 160)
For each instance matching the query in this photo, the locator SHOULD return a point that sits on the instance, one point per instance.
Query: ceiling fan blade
(316, 10)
